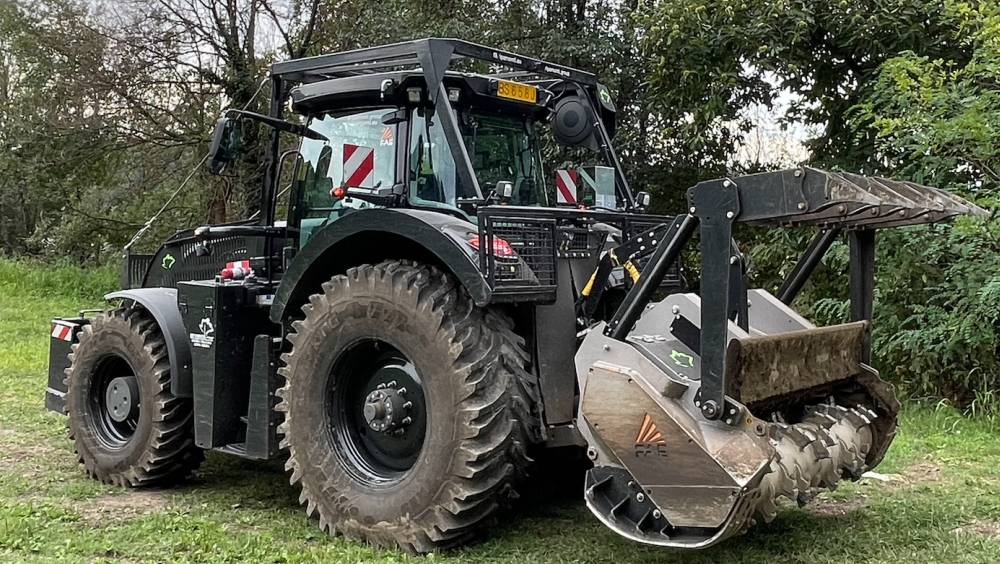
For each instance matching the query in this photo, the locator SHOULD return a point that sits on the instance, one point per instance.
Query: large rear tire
(408, 410)
(127, 427)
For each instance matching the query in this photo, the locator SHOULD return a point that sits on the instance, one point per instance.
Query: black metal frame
(810, 259)
(795, 197)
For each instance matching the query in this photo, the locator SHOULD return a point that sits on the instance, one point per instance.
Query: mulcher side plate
(702, 481)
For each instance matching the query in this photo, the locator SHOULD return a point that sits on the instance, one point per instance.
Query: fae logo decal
(206, 338)
(649, 441)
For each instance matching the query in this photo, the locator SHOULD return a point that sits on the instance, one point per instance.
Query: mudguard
(372, 235)
(162, 305)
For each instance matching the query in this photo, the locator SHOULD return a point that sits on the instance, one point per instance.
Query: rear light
(236, 270)
(501, 248)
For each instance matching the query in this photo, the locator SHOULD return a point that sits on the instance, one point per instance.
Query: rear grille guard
(533, 270)
(134, 268)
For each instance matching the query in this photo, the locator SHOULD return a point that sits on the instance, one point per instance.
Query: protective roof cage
(802, 197)
(432, 57)
(435, 56)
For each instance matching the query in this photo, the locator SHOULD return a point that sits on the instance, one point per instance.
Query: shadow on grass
(549, 521)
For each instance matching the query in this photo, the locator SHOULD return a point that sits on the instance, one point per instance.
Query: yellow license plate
(517, 91)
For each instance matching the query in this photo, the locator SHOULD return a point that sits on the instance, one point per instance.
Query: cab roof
(432, 57)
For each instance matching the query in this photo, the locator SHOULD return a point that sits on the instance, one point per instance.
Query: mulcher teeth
(831, 442)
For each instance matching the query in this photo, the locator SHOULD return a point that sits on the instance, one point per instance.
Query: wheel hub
(386, 408)
(377, 411)
(121, 398)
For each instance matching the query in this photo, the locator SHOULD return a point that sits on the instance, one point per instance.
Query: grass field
(942, 503)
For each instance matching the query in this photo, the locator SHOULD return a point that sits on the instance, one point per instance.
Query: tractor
(458, 278)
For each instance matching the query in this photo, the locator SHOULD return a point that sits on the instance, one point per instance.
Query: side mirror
(227, 142)
(643, 199)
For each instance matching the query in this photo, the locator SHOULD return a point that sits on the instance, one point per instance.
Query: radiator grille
(181, 261)
(134, 270)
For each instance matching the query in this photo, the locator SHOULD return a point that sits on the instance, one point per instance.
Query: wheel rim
(376, 412)
(114, 402)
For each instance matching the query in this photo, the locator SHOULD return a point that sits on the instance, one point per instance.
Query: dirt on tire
(481, 407)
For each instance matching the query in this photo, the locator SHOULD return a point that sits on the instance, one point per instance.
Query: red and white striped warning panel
(565, 186)
(61, 331)
(359, 166)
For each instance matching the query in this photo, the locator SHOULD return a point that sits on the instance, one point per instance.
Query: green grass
(944, 506)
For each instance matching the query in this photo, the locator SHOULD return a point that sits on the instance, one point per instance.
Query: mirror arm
(280, 124)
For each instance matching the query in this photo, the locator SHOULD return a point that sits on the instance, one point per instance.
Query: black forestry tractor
(432, 304)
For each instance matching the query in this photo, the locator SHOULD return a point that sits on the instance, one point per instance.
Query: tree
(712, 58)
(937, 120)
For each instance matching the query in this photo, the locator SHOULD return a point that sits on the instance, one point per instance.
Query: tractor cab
(385, 144)
(498, 130)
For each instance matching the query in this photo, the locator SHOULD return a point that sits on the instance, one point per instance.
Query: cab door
(360, 151)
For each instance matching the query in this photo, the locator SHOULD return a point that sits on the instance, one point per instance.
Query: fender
(373, 235)
(162, 304)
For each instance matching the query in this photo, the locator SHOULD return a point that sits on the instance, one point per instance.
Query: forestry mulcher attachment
(428, 304)
(702, 410)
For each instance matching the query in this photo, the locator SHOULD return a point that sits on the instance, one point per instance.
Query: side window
(433, 178)
(360, 151)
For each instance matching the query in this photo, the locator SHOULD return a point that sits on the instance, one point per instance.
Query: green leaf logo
(168, 262)
(681, 359)
(604, 95)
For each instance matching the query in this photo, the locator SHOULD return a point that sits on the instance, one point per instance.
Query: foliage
(937, 120)
(29, 277)
(711, 58)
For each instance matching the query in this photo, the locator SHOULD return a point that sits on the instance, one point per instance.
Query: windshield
(361, 152)
(501, 148)
(506, 148)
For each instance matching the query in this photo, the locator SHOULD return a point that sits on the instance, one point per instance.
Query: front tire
(126, 425)
(408, 410)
